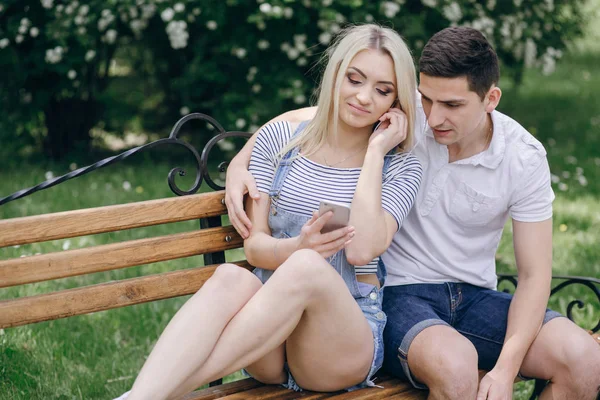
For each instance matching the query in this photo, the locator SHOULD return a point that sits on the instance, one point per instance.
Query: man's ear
(493, 98)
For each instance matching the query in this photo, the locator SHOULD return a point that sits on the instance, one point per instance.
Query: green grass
(97, 356)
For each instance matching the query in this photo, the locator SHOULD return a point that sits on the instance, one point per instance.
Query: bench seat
(250, 389)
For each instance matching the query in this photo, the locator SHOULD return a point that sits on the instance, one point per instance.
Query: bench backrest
(104, 296)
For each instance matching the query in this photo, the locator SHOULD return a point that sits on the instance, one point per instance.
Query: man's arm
(533, 253)
(238, 181)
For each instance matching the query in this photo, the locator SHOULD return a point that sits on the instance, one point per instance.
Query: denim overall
(285, 224)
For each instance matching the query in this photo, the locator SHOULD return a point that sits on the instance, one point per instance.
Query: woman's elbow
(358, 256)
(249, 253)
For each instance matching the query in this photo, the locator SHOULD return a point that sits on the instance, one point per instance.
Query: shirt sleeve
(263, 161)
(400, 186)
(533, 195)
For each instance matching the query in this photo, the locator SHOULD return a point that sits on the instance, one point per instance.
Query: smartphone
(340, 218)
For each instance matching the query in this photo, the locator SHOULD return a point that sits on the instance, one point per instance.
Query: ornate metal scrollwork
(590, 283)
(201, 161)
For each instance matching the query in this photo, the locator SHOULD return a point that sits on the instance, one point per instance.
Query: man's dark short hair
(461, 51)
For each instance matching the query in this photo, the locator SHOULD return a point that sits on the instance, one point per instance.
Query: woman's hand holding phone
(391, 130)
(326, 244)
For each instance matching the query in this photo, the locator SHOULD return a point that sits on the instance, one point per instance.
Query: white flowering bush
(241, 61)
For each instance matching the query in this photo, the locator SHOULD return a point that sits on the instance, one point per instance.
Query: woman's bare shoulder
(294, 117)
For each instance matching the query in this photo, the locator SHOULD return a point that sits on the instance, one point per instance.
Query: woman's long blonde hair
(338, 56)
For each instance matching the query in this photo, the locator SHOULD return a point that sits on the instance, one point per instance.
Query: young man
(445, 318)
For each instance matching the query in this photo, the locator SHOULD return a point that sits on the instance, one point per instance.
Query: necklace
(341, 161)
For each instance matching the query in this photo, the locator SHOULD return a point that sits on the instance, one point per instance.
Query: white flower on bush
(549, 61)
(530, 52)
(18, 39)
(288, 12)
(299, 99)
(79, 20)
(105, 20)
(4, 42)
(54, 56)
(226, 145)
(47, 3)
(72, 74)
(137, 26)
(390, 9)
(34, 32)
(301, 38)
(84, 9)
(263, 44)
(196, 11)
(429, 3)
(302, 61)
(240, 123)
(184, 110)
(293, 53)
(110, 36)
(240, 52)
(178, 35)
(325, 37)
(334, 28)
(276, 10)
(256, 88)
(167, 14)
(179, 7)
(265, 8)
(126, 185)
(211, 25)
(452, 12)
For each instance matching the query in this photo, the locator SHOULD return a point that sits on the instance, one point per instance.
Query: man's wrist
(508, 370)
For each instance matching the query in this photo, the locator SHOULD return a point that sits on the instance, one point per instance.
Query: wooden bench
(211, 241)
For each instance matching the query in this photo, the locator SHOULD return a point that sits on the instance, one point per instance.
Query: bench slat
(250, 389)
(104, 296)
(114, 256)
(217, 392)
(89, 221)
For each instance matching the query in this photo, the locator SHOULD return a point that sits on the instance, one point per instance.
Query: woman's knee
(305, 269)
(234, 277)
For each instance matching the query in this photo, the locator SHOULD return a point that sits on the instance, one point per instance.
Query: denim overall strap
(284, 164)
(381, 271)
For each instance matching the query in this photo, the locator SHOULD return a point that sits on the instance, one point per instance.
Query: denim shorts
(477, 313)
(371, 306)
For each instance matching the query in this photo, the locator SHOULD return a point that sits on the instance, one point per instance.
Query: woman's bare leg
(307, 299)
(191, 335)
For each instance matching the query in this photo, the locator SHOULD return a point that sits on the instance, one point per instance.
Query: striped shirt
(308, 182)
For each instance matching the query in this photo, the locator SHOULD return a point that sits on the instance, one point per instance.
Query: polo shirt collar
(493, 155)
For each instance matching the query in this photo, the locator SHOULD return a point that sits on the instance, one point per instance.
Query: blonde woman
(310, 316)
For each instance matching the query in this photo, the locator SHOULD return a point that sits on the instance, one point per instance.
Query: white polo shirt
(453, 230)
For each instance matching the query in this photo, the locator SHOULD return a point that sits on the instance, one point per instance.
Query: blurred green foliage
(72, 67)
